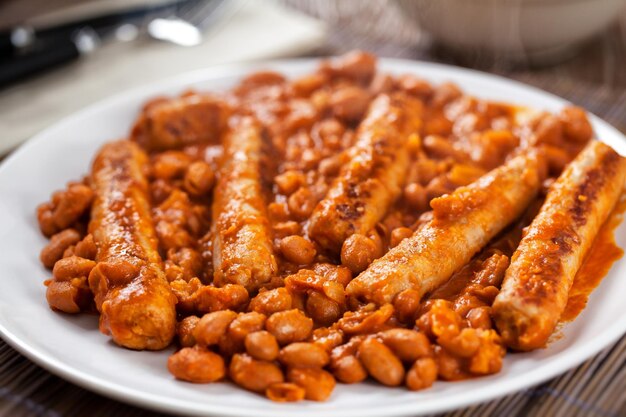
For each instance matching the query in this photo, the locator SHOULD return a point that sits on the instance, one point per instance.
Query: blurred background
(57, 56)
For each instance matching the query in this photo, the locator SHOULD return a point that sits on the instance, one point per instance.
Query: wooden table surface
(594, 79)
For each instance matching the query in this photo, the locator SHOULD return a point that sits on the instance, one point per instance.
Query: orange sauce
(603, 253)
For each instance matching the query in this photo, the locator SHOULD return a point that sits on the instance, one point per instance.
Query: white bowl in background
(535, 30)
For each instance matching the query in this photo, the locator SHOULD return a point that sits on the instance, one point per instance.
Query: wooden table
(594, 79)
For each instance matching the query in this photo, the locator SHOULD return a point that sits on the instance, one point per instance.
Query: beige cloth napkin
(257, 30)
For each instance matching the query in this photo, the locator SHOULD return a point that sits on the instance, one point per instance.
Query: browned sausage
(130, 288)
(372, 179)
(175, 123)
(536, 285)
(463, 223)
(242, 244)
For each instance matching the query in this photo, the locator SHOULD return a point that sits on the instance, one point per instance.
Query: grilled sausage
(129, 285)
(172, 124)
(371, 180)
(242, 245)
(536, 285)
(463, 223)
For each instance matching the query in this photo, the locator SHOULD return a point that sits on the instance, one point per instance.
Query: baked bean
(464, 345)
(357, 252)
(244, 324)
(382, 83)
(317, 383)
(306, 85)
(68, 252)
(575, 124)
(357, 65)
(196, 364)
(45, 219)
(185, 331)
(406, 305)
(488, 358)
(288, 182)
(284, 229)
(548, 131)
(438, 124)
(199, 179)
(322, 309)
(464, 174)
(262, 345)
(160, 190)
(169, 165)
(298, 250)
(72, 267)
(334, 273)
(437, 187)
(59, 242)
(415, 86)
(71, 296)
(381, 363)
(252, 374)
(444, 321)
(422, 374)
(334, 291)
(426, 169)
(289, 326)
(259, 79)
(303, 355)
(271, 301)
(285, 392)
(209, 298)
(331, 166)
(445, 93)
(415, 195)
(398, 235)
(349, 369)
(349, 103)
(407, 345)
(557, 159)
(188, 260)
(364, 322)
(86, 248)
(327, 338)
(75, 201)
(441, 148)
(301, 203)
(449, 367)
(479, 318)
(212, 326)
(278, 211)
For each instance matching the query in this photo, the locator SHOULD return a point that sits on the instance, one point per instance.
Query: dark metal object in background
(25, 51)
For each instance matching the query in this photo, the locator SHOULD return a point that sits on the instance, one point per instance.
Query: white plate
(72, 347)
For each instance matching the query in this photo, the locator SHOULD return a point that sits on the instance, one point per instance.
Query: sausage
(175, 123)
(536, 285)
(463, 223)
(372, 179)
(242, 244)
(131, 292)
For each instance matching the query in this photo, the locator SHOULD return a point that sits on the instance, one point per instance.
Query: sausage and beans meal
(289, 234)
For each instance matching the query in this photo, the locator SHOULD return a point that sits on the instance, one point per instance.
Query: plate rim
(567, 360)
